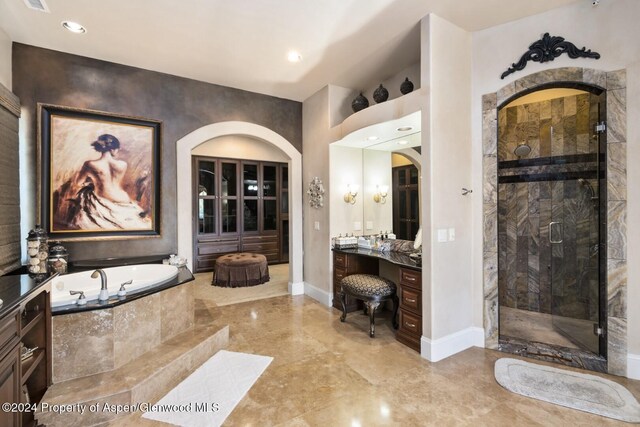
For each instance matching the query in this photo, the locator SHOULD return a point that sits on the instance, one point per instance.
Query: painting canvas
(99, 174)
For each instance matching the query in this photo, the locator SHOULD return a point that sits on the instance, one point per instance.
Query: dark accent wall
(183, 105)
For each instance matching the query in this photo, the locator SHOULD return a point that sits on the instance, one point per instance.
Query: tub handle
(82, 300)
(123, 292)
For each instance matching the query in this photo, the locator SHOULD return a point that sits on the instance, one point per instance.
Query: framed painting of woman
(99, 174)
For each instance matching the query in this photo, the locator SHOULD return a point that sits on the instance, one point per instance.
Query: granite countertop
(15, 289)
(184, 276)
(399, 258)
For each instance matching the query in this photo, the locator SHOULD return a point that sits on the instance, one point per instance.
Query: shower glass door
(573, 238)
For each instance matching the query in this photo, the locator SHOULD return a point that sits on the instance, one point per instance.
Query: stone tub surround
(91, 342)
(143, 380)
(615, 83)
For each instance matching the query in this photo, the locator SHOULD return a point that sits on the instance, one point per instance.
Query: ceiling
(244, 44)
(393, 135)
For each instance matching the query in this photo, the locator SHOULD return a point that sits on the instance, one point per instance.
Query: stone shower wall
(552, 128)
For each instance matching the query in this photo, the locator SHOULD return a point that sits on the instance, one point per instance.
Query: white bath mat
(207, 396)
(575, 390)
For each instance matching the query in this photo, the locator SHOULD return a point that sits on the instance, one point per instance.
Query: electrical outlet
(316, 225)
(442, 235)
(452, 234)
(357, 226)
(369, 225)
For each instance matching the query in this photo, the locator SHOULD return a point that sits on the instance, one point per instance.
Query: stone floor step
(93, 399)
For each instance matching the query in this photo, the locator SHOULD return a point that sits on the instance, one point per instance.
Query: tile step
(144, 380)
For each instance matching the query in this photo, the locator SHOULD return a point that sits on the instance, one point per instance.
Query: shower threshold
(553, 353)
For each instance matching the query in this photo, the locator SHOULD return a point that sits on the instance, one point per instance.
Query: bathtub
(143, 276)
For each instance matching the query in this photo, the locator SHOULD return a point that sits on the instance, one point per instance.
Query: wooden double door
(239, 206)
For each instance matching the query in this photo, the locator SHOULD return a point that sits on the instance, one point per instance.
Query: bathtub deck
(144, 380)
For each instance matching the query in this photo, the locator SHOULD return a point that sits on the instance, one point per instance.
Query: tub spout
(104, 292)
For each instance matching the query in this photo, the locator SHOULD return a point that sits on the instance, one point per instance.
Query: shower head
(522, 150)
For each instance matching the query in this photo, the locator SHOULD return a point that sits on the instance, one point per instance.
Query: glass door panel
(229, 184)
(250, 215)
(250, 180)
(270, 215)
(269, 179)
(229, 215)
(206, 178)
(206, 216)
(573, 236)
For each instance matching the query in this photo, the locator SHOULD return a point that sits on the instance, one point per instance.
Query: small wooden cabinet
(25, 381)
(345, 264)
(410, 317)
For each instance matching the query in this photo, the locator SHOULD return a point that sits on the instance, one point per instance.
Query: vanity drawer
(411, 278)
(411, 299)
(410, 323)
(339, 260)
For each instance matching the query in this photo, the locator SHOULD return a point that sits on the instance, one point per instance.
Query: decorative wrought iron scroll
(547, 49)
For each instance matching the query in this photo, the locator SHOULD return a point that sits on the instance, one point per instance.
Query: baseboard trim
(296, 288)
(322, 296)
(441, 348)
(633, 366)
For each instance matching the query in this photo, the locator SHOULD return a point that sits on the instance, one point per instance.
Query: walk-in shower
(551, 256)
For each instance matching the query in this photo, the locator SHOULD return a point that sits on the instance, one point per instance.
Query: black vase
(381, 94)
(406, 86)
(359, 103)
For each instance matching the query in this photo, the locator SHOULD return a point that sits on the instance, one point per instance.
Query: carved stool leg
(371, 306)
(343, 301)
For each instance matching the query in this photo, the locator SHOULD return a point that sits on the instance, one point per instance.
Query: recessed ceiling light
(294, 56)
(372, 138)
(74, 27)
(404, 128)
(403, 142)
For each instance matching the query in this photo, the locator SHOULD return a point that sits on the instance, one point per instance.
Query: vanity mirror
(384, 160)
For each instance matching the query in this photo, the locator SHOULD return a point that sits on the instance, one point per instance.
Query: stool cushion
(368, 285)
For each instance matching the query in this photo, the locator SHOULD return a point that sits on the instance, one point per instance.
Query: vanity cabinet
(410, 312)
(345, 264)
(238, 208)
(27, 326)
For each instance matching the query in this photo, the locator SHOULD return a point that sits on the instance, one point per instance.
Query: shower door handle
(551, 224)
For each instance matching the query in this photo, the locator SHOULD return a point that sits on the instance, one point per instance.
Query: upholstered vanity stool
(372, 290)
(241, 269)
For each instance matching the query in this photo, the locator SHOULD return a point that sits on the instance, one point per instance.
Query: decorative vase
(359, 103)
(381, 94)
(406, 86)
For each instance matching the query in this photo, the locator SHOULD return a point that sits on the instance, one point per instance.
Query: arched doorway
(184, 196)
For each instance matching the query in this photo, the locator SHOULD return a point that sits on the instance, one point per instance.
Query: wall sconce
(381, 194)
(352, 192)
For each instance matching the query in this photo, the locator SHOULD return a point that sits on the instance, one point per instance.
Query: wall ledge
(441, 348)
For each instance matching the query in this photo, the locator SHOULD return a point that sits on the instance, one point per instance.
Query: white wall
(392, 84)
(5, 59)
(448, 156)
(315, 162)
(610, 29)
(239, 147)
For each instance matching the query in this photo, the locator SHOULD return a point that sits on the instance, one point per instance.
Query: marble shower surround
(615, 84)
(91, 342)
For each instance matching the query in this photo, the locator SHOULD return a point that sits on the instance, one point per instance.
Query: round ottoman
(241, 269)
(372, 290)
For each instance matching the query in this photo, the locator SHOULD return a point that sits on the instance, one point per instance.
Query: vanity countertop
(401, 259)
(14, 289)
